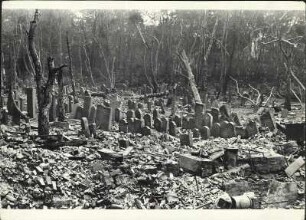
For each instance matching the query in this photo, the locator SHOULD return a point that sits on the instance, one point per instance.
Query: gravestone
(138, 125)
(92, 115)
(164, 125)
(186, 139)
(118, 115)
(87, 105)
(208, 120)
(104, 117)
(195, 133)
(147, 120)
(178, 121)
(149, 105)
(240, 130)
(224, 112)
(191, 123)
(185, 123)
(251, 129)
(155, 114)
(52, 110)
(227, 129)
(235, 118)
(130, 114)
(93, 129)
(73, 110)
(85, 128)
(215, 114)
(131, 104)
(199, 107)
(123, 126)
(267, 120)
(157, 124)
(172, 128)
(146, 131)
(140, 105)
(205, 132)
(138, 114)
(31, 102)
(114, 103)
(215, 130)
(131, 125)
(78, 112)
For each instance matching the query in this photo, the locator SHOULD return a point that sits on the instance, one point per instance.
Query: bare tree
(43, 89)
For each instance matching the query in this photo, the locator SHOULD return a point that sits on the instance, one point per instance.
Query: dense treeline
(136, 47)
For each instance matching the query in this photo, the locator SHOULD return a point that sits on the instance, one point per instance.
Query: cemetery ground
(127, 151)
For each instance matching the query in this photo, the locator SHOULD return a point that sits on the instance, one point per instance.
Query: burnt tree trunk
(43, 89)
(60, 100)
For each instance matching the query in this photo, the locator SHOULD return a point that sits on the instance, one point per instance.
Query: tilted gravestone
(172, 128)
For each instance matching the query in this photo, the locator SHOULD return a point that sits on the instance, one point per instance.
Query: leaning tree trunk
(192, 83)
(43, 89)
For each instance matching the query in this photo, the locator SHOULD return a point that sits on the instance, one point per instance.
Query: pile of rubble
(127, 154)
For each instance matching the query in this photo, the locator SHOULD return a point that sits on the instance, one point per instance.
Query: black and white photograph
(126, 105)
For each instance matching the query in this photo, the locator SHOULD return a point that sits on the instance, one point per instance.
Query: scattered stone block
(236, 187)
(293, 167)
(281, 194)
(195, 164)
(267, 162)
(284, 113)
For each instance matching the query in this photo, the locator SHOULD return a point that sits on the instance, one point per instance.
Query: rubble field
(151, 168)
